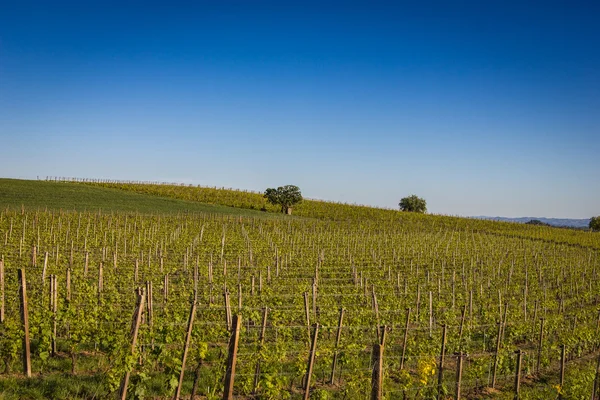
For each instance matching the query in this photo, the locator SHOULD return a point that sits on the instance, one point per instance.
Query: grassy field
(31, 195)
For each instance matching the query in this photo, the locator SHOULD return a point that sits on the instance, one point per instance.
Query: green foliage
(413, 203)
(284, 196)
(595, 223)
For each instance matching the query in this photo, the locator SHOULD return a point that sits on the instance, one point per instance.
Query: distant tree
(413, 203)
(537, 222)
(595, 223)
(284, 196)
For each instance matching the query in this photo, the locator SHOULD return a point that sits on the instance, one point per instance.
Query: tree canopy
(284, 196)
(413, 203)
(595, 223)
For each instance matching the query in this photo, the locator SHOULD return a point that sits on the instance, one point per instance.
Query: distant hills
(560, 222)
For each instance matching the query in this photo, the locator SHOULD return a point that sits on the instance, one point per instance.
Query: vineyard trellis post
(337, 344)
(377, 361)
(188, 336)
(2, 290)
(519, 353)
(496, 355)
(261, 343)
(441, 366)
(596, 379)
(539, 350)
(232, 358)
(25, 321)
(459, 367)
(404, 340)
(311, 361)
(135, 327)
(562, 369)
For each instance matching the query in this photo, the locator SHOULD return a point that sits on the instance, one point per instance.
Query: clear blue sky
(481, 107)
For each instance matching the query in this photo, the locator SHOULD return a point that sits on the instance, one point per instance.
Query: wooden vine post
(441, 366)
(404, 340)
(518, 374)
(459, 367)
(596, 380)
(261, 340)
(53, 309)
(186, 346)
(377, 361)
(232, 358)
(496, 355)
(135, 327)
(562, 370)
(25, 321)
(539, 350)
(337, 344)
(1, 291)
(311, 362)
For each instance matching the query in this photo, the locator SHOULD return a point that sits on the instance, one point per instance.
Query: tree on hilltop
(595, 223)
(284, 196)
(413, 203)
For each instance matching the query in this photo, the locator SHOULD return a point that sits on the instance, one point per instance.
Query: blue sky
(482, 108)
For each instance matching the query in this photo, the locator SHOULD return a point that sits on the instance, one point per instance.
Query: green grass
(15, 193)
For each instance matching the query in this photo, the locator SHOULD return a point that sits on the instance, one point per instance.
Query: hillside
(350, 213)
(31, 194)
(421, 276)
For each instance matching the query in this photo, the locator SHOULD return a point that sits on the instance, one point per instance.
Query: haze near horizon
(481, 109)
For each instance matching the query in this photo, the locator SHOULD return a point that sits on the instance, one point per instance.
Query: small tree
(413, 203)
(284, 196)
(595, 223)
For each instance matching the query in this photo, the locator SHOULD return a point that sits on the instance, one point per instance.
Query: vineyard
(341, 302)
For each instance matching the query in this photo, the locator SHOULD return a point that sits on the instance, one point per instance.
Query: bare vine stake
(54, 302)
(441, 367)
(498, 339)
(166, 289)
(228, 317)
(25, 321)
(504, 319)
(596, 379)
(261, 343)
(311, 362)
(376, 309)
(1, 290)
(239, 297)
(44, 269)
(137, 318)
(68, 284)
(307, 313)
(459, 368)
(377, 361)
(188, 336)
(337, 344)
(539, 352)
(562, 369)
(430, 313)
(314, 298)
(149, 305)
(100, 283)
(85, 265)
(405, 338)
(518, 373)
(462, 324)
(232, 358)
